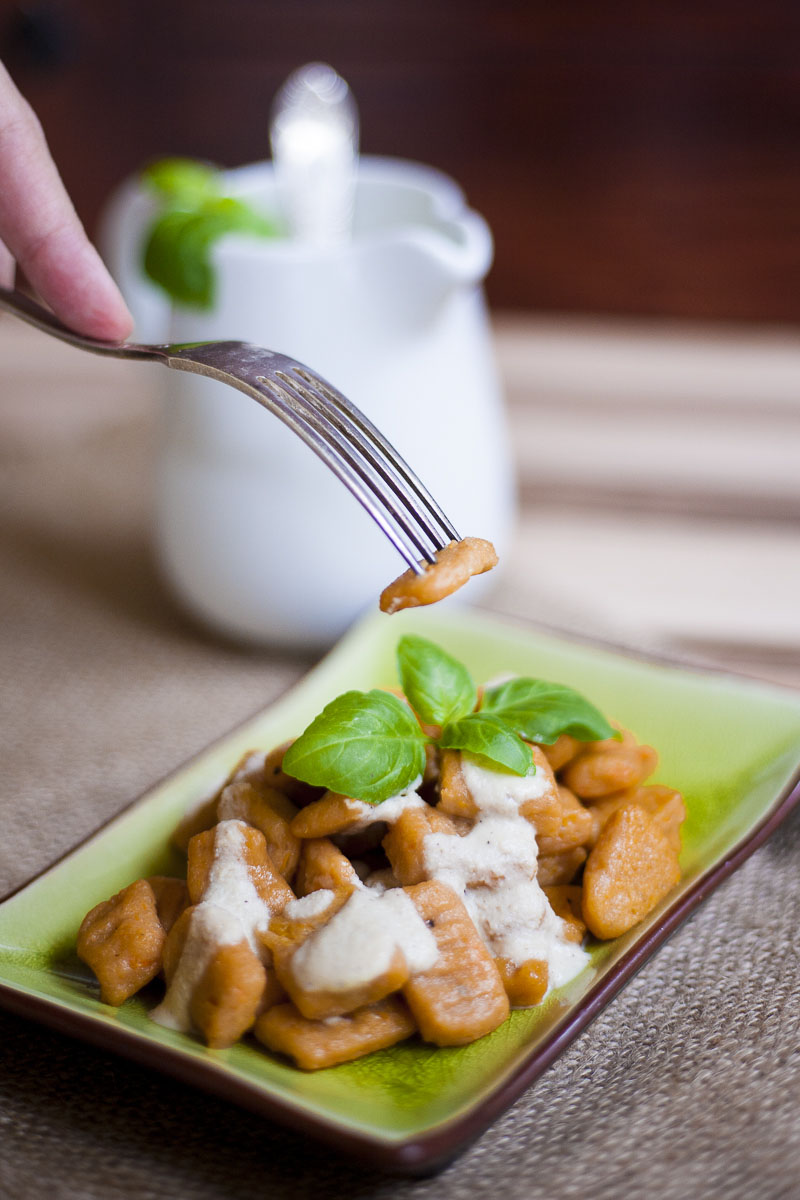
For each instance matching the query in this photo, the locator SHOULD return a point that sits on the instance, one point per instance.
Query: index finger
(40, 227)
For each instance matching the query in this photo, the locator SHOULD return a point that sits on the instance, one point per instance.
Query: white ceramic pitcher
(254, 534)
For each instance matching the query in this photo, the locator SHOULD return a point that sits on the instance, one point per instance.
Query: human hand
(41, 230)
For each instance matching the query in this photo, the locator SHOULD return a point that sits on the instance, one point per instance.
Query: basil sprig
(370, 745)
(490, 738)
(438, 687)
(364, 744)
(541, 711)
(195, 213)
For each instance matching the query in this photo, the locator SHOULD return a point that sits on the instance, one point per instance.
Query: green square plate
(732, 746)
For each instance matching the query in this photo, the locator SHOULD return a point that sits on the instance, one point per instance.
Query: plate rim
(427, 1152)
(634, 653)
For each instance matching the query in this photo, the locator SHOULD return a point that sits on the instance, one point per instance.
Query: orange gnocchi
(327, 928)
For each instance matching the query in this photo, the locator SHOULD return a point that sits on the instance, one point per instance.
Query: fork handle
(39, 316)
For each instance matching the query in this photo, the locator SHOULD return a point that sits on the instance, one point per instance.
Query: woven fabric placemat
(686, 1085)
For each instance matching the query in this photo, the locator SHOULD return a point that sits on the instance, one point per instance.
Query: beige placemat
(687, 1085)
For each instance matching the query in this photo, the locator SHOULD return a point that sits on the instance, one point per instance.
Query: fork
(338, 432)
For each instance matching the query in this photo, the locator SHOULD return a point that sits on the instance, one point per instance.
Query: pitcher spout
(411, 274)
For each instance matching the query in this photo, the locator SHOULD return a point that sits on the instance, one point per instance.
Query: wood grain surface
(630, 158)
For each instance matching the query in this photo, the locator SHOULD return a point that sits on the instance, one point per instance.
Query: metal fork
(346, 441)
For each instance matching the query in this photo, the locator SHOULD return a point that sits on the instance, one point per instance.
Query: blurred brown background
(630, 158)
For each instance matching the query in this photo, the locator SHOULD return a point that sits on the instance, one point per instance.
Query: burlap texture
(686, 1085)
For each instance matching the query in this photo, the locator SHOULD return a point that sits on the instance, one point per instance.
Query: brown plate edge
(431, 1152)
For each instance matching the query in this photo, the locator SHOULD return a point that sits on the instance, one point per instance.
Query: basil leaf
(184, 182)
(540, 711)
(491, 737)
(437, 687)
(363, 744)
(176, 257)
(177, 253)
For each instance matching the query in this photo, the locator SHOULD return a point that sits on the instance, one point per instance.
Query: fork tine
(338, 433)
(369, 430)
(351, 469)
(321, 416)
(352, 431)
(309, 433)
(351, 454)
(370, 469)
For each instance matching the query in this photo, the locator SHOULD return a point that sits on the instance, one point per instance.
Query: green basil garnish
(369, 745)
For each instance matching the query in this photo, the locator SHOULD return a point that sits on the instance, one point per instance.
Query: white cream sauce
(388, 810)
(494, 848)
(232, 807)
(252, 767)
(209, 928)
(499, 790)
(309, 906)
(493, 869)
(359, 942)
(231, 911)
(230, 885)
(382, 880)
